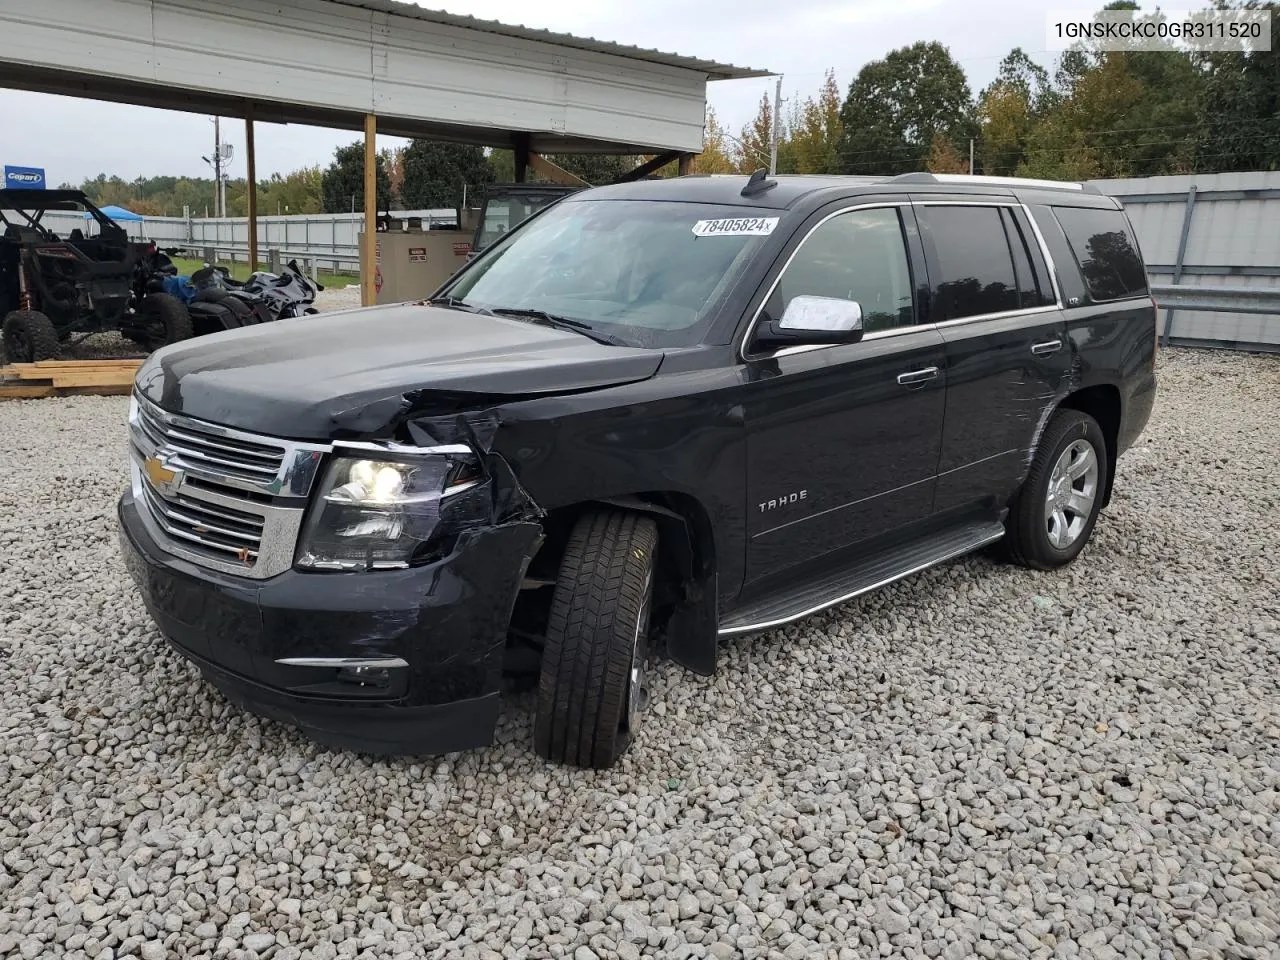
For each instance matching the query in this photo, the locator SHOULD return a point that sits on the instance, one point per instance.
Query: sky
(76, 139)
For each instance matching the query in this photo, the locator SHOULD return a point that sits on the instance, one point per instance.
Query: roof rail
(980, 181)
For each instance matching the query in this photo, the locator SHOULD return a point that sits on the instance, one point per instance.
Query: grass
(241, 271)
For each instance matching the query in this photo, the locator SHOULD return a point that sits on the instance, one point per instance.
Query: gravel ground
(980, 761)
(339, 298)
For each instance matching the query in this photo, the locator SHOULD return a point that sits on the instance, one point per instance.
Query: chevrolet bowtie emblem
(165, 479)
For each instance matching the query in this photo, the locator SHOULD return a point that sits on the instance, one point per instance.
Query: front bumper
(435, 633)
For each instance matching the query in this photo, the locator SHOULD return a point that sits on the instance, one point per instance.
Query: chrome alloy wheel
(636, 695)
(1073, 488)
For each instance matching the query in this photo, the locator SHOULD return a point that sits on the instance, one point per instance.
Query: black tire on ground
(29, 336)
(165, 320)
(1070, 437)
(597, 630)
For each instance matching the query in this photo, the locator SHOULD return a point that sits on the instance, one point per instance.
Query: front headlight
(383, 514)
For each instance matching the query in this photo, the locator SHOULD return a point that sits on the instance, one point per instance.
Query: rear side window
(1104, 248)
(974, 260)
(1034, 284)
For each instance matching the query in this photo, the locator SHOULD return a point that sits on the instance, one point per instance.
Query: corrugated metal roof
(712, 69)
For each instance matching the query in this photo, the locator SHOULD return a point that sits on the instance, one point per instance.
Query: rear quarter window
(1105, 250)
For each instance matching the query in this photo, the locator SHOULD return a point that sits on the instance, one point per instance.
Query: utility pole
(971, 156)
(773, 127)
(221, 203)
(221, 157)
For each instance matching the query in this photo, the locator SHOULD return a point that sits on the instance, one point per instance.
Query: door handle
(918, 376)
(1046, 348)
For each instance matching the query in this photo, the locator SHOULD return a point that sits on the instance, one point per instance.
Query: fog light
(365, 676)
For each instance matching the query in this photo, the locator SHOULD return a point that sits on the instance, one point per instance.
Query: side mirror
(813, 320)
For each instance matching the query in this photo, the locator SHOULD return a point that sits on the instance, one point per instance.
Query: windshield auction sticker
(741, 227)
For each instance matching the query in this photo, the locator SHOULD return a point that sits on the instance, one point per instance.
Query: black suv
(655, 413)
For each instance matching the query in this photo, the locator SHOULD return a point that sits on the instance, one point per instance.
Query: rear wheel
(1058, 505)
(591, 688)
(165, 320)
(29, 336)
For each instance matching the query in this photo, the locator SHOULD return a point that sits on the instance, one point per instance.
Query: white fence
(330, 240)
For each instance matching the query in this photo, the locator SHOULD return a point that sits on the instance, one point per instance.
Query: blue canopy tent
(118, 214)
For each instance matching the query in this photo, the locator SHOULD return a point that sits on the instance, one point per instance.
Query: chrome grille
(215, 452)
(221, 498)
(219, 530)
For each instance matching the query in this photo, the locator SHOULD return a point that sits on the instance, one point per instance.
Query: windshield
(646, 272)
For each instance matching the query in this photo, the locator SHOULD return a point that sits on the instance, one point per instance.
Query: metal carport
(386, 66)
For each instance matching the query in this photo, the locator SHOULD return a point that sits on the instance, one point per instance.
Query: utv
(52, 287)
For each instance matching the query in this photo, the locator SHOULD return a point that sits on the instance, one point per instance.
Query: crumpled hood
(342, 375)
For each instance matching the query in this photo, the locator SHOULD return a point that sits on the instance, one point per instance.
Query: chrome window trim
(915, 327)
(1035, 229)
(1000, 202)
(1044, 252)
(998, 315)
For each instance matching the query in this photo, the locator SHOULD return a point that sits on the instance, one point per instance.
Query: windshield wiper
(559, 323)
(458, 304)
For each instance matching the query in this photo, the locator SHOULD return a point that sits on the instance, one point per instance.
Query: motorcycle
(211, 305)
(290, 293)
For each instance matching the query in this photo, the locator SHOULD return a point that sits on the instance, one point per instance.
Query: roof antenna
(758, 182)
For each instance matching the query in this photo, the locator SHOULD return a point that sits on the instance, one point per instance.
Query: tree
(1019, 72)
(393, 158)
(1008, 110)
(342, 185)
(595, 168)
(895, 106)
(816, 130)
(293, 193)
(1072, 143)
(716, 156)
(1238, 114)
(944, 157)
(1117, 113)
(439, 174)
(1005, 122)
(755, 142)
(503, 165)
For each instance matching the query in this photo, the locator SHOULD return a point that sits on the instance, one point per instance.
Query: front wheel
(591, 687)
(165, 320)
(29, 336)
(1055, 511)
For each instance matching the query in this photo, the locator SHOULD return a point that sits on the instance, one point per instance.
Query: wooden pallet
(61, 378)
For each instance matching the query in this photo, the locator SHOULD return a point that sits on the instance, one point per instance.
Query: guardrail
(275, 257)
(1176, 296)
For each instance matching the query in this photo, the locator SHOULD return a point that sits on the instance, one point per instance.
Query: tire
(29, 336)
(1044, 533)
(590, 686)
(165, 320)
